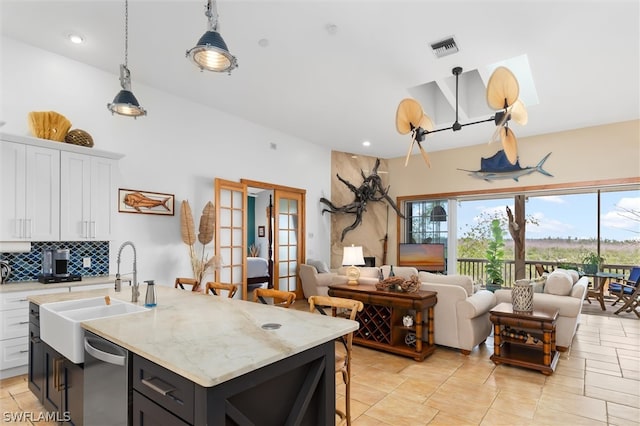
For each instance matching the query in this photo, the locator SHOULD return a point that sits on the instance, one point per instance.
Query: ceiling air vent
(444, 47)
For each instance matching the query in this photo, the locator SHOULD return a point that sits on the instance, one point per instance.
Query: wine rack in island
(384, 321)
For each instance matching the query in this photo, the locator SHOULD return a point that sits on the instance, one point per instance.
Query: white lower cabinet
(14, 330)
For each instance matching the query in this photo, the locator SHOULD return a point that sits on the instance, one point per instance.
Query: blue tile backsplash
(27, 266)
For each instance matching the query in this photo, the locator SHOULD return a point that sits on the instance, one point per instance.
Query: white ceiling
(340, 89)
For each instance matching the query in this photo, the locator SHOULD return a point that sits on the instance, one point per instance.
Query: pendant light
(125, 103)
(211, 52)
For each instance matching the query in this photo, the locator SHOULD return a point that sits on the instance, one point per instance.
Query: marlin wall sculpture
(499, 167)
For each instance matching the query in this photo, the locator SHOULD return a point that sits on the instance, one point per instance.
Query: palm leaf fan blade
(510, 144)
(207, 224)
(408, 115)
(424, 155)
(502, 89)
(187, 227)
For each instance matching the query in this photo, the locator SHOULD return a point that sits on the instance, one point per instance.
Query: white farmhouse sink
(60, 322)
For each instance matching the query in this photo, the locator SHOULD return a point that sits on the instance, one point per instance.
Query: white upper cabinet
(53, 191)
(87, 197)
(30, 190)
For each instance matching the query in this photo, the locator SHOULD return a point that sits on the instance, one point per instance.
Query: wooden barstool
(181, 282)
(279, 297)
(215, 288)
(350, 308)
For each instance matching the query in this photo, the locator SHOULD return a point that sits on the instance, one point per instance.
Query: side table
(525, 339)
(381, 325)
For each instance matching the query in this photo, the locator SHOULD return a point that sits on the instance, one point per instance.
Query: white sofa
(461, 316)
(565, 291)
(313, 282)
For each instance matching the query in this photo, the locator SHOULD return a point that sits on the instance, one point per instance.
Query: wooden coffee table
(525, 339)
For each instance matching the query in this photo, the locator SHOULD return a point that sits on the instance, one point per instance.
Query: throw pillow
(463, 281)
(575, 276)
(320, 266)
(558, 283)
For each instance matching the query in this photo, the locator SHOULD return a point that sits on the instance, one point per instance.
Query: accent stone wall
(371, 232)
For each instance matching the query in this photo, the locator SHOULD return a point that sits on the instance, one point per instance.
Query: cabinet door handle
(85, 230)
(57, 366)
(19, 228)
(23, 322)
(27, 228)
(25, 351)
(93, 229)
(161, 387)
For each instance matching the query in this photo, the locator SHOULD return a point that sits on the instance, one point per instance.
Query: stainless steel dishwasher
(107, 374)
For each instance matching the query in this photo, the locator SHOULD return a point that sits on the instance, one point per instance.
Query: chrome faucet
(134, 285)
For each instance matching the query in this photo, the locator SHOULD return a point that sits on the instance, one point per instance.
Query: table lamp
(352, 256)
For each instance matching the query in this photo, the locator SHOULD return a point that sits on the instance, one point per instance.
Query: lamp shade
(352, 256)
(125, 103)
(211, 53)
(438, 214)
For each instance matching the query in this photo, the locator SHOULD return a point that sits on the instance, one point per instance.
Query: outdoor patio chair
(624, 287)
(630, 296)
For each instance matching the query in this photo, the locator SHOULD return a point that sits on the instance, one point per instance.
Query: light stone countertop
(35, 285)
(209, 339)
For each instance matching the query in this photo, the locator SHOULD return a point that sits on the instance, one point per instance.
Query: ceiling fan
(502, 96)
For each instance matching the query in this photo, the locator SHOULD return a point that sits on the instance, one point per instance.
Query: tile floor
(597, 382)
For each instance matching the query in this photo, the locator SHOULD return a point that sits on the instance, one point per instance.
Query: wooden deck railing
(475, 268)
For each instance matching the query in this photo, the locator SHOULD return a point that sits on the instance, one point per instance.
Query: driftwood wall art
(371, 189)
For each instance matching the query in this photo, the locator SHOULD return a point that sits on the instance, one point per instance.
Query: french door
(288, 240)
(231, 235)
(288, 224)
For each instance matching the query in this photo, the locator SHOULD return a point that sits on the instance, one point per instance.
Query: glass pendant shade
(211, 53)
(125, 103)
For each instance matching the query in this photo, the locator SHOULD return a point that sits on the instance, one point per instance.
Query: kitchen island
(240, 371)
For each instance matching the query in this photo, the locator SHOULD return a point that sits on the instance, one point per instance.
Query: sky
(567, 216)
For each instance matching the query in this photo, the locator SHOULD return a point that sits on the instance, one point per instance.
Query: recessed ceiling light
(263, 42)
(332, 29)
(75, 38)
(366, 143)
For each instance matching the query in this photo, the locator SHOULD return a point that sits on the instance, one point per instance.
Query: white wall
(179, 148)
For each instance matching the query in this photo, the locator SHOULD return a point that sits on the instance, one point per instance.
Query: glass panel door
(288, 241)
(231, 242)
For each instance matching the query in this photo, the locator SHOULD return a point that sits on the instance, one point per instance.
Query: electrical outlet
(86, 262)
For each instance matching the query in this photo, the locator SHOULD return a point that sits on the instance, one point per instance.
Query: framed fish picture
(145, 202)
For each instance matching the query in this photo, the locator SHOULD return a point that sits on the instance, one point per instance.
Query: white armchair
(461, 320)
(314, 283)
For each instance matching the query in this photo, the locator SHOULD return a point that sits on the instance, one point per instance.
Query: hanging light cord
(211, 12)
(126, 33)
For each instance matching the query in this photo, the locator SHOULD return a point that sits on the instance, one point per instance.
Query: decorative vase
(522, 296)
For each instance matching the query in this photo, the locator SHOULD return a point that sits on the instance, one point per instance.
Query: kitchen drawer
(14, 352)
(18, 299)
(147, 413)
(15, 323)
(14, 300)
(170, 390)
